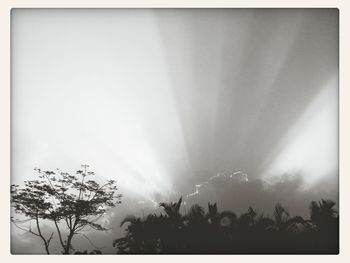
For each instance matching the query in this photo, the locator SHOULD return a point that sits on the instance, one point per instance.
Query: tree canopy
(214, 232)
(72, 202)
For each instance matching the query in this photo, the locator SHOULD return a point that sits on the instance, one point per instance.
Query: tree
(323, 213)
(195, 216)
(172, 209)
(283, 221)
(143, 235)
(325, 223)
(247, 220)
(172, 227)
(217, 232)
(68, 201)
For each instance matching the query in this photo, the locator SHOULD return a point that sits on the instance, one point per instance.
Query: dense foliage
(74, 204)
(214, 232)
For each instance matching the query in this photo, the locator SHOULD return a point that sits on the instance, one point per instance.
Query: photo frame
(6, 119)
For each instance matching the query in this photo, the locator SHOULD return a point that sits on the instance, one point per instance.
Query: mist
(162, 100)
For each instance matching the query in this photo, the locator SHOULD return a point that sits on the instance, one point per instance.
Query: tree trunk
(69, 242)
(47, 249)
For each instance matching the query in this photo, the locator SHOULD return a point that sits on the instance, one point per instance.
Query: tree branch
(24, 229)
(96, 192)
(46, 243)
(59, 234)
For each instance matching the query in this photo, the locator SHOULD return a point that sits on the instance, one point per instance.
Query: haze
(163, 99)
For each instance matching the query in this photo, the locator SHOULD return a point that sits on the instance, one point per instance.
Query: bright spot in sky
(162, 101)
(311, 147)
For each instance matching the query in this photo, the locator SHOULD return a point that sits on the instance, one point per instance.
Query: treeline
(214, 232)
(73, 204)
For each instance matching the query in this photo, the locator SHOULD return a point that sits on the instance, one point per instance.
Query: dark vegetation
(74, 204)
(224, 232)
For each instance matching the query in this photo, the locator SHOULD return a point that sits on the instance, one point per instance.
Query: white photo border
(344, 126)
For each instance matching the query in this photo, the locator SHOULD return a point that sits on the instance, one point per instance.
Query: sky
(238, 106)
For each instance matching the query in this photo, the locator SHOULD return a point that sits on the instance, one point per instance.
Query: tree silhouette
(142, 235)
(323, 213)
(68, 201)
(172, 209)
(217, 232)
(283, 221)
(324, 224)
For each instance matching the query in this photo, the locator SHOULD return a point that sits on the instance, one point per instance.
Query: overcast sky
(163, 100)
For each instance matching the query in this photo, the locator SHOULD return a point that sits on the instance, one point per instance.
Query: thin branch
(67, 223)
(96, 192)
(21, 221)
(82, 181)
(46, 243)
(50, 238)
(52, 187)
(26, 230)
(59, 234)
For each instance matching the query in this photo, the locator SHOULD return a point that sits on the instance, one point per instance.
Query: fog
(163, 100)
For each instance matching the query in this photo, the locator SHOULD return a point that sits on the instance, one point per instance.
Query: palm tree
(195, 216)
(263, 223)
(324, 220)
(172, 209)
(247, 220)
(323, 213)
(171, 236)
(130, 243)
(219, 220)
(143, 235)
(223, 232)
(213, 215)
(284, 222)
(227, 219)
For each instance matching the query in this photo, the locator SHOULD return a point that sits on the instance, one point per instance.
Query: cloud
(237, 193)
(231, 191)
(164, 100)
